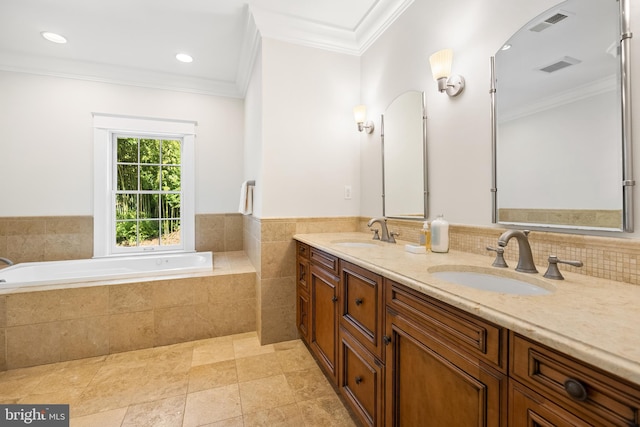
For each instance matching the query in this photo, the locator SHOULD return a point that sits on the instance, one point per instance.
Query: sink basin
(487, 280)
(356, 244)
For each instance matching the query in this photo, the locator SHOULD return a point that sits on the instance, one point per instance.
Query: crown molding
(352, 41)
(104, 73)
(249, 52)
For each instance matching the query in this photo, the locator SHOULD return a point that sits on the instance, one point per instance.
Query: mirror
(561, 120)
(404, 157)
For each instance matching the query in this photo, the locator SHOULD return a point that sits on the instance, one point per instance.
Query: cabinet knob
(575, 389)
(358, 301)
(358, 380)
(334, 299)
(386, 339)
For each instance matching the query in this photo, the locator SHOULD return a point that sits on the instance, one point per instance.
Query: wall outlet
(347, 192)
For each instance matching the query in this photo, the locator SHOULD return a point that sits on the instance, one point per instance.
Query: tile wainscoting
(57, 238)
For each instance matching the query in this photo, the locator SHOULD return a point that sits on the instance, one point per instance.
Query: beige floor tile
(212, 405)
(211, 351)
(250, 347)
(296, 359)
(309, 384)
(256, 367)
(325, 411)
(159, 413)
(112, 418)
(213, 375)
(283, 416)
(288, 345)
(265, 393)
(231, 422)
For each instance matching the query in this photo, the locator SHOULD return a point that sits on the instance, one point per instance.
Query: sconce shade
(441, 64)
(360, 113)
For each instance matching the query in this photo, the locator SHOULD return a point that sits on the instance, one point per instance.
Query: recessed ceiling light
(506, 47)
(183, 57)
(53, 37)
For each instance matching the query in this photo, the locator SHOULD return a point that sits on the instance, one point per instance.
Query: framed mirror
(404, 157)
(561, 120)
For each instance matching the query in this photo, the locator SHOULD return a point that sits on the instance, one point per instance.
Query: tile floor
(227, 381)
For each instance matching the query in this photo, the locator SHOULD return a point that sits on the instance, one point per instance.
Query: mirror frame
(425, 182)
(627, 147)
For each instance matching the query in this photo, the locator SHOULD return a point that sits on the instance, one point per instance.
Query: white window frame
(105, 126)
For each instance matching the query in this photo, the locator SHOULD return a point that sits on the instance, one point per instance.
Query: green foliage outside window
(148, 173)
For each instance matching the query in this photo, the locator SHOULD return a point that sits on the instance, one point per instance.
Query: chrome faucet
(525, 260)
(385, 236)
(6, 261)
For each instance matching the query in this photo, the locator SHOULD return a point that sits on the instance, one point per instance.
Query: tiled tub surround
(56, 238)
(41, 325)
(592, 319)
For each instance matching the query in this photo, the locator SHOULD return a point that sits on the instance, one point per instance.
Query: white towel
(246, 199)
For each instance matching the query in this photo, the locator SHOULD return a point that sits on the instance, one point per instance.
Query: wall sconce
(360, 115)
(441, 70)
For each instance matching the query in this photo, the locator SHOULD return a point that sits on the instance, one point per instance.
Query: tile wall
(270, 246)
(55, 238)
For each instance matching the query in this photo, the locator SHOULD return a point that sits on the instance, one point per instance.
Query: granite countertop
(592, 319)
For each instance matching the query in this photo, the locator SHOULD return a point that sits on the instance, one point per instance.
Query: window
(144, 185)
(147, 192)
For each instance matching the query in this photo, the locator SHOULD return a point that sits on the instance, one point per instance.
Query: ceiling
(135, 41)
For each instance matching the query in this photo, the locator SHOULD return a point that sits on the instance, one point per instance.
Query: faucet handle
(553, 272)
(499, 261)
(376, 235)
(392, 236)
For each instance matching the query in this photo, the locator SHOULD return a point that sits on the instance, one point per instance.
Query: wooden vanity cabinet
(444, 367)
(324, 288)
(302, 291)
(562, 391)
(361, 367)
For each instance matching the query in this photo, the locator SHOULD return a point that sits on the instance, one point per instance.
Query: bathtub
(101, 269)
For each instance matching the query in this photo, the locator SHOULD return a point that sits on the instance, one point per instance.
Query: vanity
(406, 347)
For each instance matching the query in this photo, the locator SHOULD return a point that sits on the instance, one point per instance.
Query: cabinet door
(431, 384)
(302, 314)
(362, 306)
(324, 309)
(528, 409)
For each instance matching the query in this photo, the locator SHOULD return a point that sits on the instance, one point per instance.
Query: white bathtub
(99, 269)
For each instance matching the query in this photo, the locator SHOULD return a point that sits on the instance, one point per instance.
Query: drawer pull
(575, 389)
(334, 299)
(386, 339)
(358, 380)
(359, 301)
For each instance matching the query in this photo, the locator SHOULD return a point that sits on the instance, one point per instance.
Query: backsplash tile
(604, 257)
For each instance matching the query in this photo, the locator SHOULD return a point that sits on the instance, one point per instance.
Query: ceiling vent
(563, 62)
(552, 20)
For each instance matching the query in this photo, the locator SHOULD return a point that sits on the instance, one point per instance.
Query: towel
(246, 199)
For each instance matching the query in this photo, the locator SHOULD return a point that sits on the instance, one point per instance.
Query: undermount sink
(356, 243)
(491, 280)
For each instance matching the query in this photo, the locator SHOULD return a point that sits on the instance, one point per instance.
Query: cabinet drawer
(361, 380)
(476, 336)
(324, 260)
(587, 391)
(361, 308)
(303, 250)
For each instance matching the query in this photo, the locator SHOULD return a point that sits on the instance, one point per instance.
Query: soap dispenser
(440, 235)
(425, 237)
